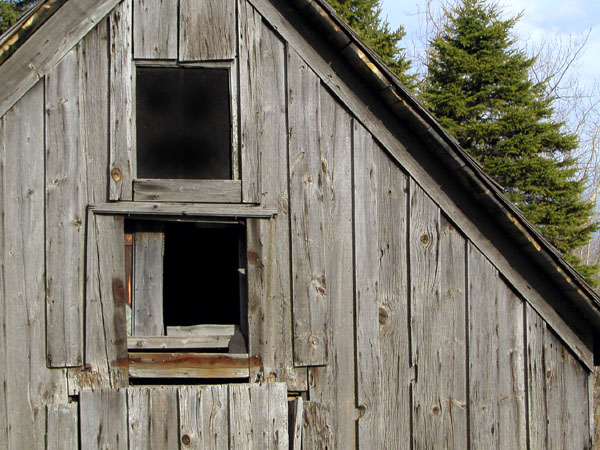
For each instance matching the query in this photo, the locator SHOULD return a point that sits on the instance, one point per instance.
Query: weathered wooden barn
(225, 224)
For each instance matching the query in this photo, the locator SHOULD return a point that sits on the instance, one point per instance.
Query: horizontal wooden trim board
(201, 330)
(202, 191)
(181, 209)
(194, 365)
(176, 342)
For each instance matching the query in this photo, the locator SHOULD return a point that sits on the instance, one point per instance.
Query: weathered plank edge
(196, 191)
(183, 209)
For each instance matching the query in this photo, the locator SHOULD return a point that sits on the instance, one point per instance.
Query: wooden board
(207, 30)
(155, 29)
(183, 210)
(3, 373)
(295, 421)
(203, 191)
(204, 417)
(122, 109)
(316, 432)
(307, 210)
(382, 341)
(331, 384)
(438, 331)
(153, 414)
(497, 414)
(66, 202)
(106, 323)
(27, 384)
(62, 427)
(147, 310)
(174, 342)
(103, 419)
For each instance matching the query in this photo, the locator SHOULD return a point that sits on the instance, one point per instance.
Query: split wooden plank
(240, 419)
(122, 109)
(153, 418)
(106, 323)
(382, 341)
(155, 29)
(310, 305)
(40, 53)
(148, 250)
(27, 383)
(316, 432)
(497, 413)
(66, 202)
(103, 419)
(62, 426)
(204, 417)
(201, 191)
(207, 30)
(184, 210)
(174, 342)
(331, 384)
(296, 420)
(269, 291)
(437, 271)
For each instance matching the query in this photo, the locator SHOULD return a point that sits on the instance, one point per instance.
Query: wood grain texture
(204, 417)
(183, 209)
(316, 432)
(40, 53)
(27, 384)
(103, 419)
(269, 288)
(62, 427)
(332, 166)
(3, 373)
(307, 209)
(200, 191)
(207, 30)
(106, 324)
(147, 310)
(66, 202)
(153, 418)
(174, 342)
(296, 421)
(122, 109)
(190, 365)
(536, 380)
(496, 359)
(155, 29)
(382, 341)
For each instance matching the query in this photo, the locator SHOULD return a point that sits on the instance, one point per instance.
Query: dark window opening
(183, 123)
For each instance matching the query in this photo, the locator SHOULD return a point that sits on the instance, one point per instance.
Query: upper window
(184, 125)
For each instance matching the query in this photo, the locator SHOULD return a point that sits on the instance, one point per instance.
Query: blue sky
(540, 17)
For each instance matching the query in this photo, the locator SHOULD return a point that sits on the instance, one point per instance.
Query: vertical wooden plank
(296, 420)
(28, 385)
(496, 367)
(382, 352)
(309, 294)
(438, 281)
(334, 384)
(153, 414)
(269, 291)
(536, 380)
(66, 202)
(148, 284)
(204, 417)
(62, 426)
(103, 419)
(155, 29)
(275, 433)
(316, 433)
(122, 114)
(106, 324)
(207, 30)
(3, 361)
(240, 419)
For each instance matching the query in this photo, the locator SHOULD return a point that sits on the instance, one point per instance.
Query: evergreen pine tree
(11, 10)
(478, 86)
(364, 16)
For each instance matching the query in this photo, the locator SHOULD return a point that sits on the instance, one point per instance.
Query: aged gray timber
(174, 342)
(497, 413)
(155, 29)
(269, 289)
(189, 365)
(182, 209)
(27, 384)
(202, 191)
(307, 209)
(316, 432)
(536, 376)
(122, 114)
(103, 419)
(153, 414)
(207, 30)
(106, 326)
(147, 311)
(438, 290)
(204, 417)
(295, 422)
(332, 165)
(201, 330)
(66, 202)
(382, 352)
(62, 427)
(38, 54)
(3, 374)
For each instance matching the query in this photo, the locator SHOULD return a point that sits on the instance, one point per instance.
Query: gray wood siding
(155, 29)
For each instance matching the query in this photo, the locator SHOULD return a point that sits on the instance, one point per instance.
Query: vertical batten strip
(155, 29)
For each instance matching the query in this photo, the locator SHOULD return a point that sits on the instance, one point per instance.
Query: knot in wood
(436, 410)
(116, 174)
(186, 439)
(384, 315)
(425, 239)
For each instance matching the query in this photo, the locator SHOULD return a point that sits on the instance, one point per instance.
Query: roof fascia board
(46, 47)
